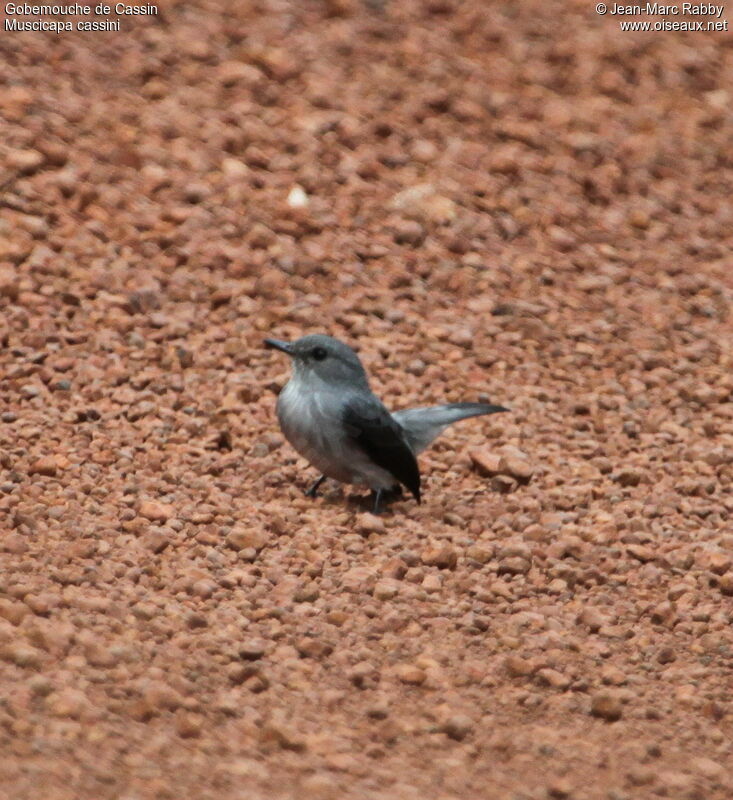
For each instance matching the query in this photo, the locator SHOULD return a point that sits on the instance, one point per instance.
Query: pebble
(410, 674)
(607, 706)
(13, 612)
(252, 649)
(25, 162)
(22, 655)
(309, 647)
(71, 703)
(297, 198)
(457, 726)
(155, 511)
(47, 466)
(441, 556)
(369, 523)
(188, 725)
(386, 589)
(156, 540)
(628, 477)
(243, 538)
(284, 735)
(409, 232)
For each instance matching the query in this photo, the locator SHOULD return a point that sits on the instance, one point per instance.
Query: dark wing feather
(383, 440)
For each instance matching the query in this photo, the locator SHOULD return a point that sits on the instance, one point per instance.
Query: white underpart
(312, 423)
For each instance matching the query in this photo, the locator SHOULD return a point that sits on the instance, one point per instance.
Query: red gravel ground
(514, 201)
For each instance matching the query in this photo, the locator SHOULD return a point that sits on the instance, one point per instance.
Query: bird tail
(423, 425)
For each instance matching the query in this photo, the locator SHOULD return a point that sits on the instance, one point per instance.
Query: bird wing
(383, 440)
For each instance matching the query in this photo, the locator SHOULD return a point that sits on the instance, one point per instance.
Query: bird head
(321, 358)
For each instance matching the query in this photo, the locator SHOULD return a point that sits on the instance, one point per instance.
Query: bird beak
(286, 347)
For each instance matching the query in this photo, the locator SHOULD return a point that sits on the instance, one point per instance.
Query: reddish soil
(513, 201)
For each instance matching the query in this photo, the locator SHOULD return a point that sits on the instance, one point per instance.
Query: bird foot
(312, 491)
(384, 494)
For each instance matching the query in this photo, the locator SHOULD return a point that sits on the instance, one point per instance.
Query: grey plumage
(423, 425)
(329, 414)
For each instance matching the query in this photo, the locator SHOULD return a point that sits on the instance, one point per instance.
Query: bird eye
(319, 353)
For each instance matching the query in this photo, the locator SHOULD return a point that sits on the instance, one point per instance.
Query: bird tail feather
(423, 425)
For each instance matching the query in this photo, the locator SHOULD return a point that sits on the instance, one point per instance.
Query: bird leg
(313, 491)
(377, 495)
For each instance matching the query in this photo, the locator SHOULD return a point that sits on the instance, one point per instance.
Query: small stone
(641, 552)
(725, 584)
(612, 676)
(306, 593)
(369, 523)
(514, 566)
(485, 462)
(241, 538)
(441, 556)
(457, 727)
(640, 776)
(592, 618)
(378, 709)
(717, 562)
(395, 569)
(560, 789)
(363, 675)
(676, 784)
(252, 649)
(321, 785)
(70, 703)
(155, 540)
(22, 655)
(188, 725)
(13, 612)
(519, 667)
(553, 678)
(24, 161)
(297, 198)
(40, 686)
(47, 466)
(358, 579)
(284, 735)
(409, 232)
(708, 768)
(421, 201)
(606, 705)
(203, 589)
(239, 673)
(15, 543)
(195, 620)
(155, 511)
(97, 655)
(666, 655)
(310, 647)
(480, 553)
(503, 484)
(386, 589)
(628, 477)
(518, 466)
(410, 674)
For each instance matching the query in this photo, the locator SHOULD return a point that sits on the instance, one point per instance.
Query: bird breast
(312, 422)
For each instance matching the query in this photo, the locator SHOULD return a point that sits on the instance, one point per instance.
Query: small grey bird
(333, 419)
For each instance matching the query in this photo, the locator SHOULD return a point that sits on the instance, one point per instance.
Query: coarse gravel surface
(507, 201)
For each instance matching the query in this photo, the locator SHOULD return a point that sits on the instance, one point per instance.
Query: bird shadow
(362, 503)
